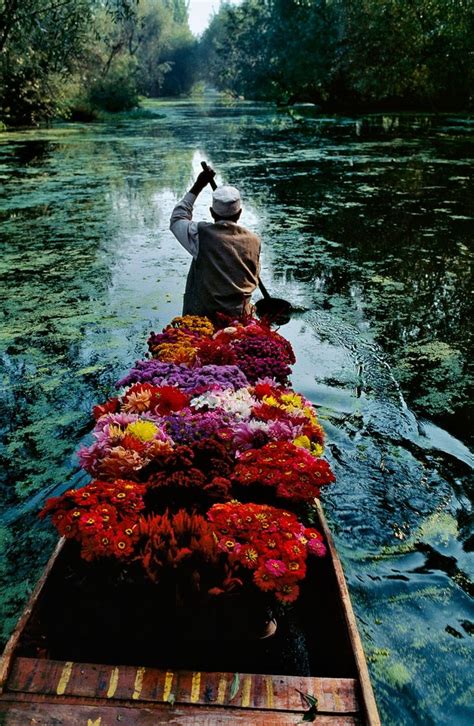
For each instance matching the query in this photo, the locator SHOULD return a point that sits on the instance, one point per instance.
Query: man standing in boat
(226, 256)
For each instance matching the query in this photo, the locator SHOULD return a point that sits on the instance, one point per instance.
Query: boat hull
(39, 688)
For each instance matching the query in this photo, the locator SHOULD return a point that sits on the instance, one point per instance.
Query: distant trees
(166, 48)
(42, 44)
(63, 57)
(342, 53)
(72, 57)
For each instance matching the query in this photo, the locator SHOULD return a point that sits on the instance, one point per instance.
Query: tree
(42, 43)
(344, 54)
(60, 57)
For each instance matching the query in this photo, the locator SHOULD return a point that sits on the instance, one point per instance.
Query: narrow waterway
(366, 227)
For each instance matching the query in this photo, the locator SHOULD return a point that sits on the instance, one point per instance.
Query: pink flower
(316, 547)
(277, 568)
(248, 434)
(229, 544)
(283, 430)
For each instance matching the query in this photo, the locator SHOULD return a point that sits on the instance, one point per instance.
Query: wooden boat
(39, 686)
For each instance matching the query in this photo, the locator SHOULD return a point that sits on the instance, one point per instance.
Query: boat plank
(271, 692)
(44, 710)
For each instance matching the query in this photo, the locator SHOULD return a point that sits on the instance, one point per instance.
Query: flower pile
(208, 420)
(255, 348)
(293, 473)
(102, 517)
(126, 444)
(271, 543)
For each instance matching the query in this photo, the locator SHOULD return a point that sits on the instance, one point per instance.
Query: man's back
(225, 272)
(225, 267)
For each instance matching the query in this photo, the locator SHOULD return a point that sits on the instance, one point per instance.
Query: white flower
(236, 403)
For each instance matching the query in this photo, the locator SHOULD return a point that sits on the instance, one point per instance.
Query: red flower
(290, 470)
(169, 541)
(110, 406)
(268, 541)
(97, 514)
(131, 442)
(170, 398)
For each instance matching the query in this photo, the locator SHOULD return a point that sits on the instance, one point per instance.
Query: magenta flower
(316, 547)
(277, 568)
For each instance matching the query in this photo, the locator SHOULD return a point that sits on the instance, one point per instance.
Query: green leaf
(234, 686)
(308, 700)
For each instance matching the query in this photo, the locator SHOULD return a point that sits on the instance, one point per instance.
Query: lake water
(366, 225)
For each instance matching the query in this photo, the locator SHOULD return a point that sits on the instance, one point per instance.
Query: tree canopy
(72, 57)
(344, 54)
(62, 57)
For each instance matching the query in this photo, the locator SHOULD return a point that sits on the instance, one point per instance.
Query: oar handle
(206, 168)
(263, 290)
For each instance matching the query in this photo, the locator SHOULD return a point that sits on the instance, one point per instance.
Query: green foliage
(343, 53)
(39, 44)
(166, 51)
(76, 58)
(117, 91)
(235, 51)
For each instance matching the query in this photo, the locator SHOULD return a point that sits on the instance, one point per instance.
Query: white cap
(226, 201)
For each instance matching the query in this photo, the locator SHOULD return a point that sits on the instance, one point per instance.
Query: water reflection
(365, 226)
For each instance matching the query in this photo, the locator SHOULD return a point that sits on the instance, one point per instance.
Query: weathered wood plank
(44, 711)
(242, 690)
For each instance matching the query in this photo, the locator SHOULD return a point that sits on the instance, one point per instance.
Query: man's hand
(204, 178)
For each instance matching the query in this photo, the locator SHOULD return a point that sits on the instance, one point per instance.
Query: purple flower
(185, 427)
(199, 378)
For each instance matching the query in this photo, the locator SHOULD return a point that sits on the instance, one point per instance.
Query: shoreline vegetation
(80, 60)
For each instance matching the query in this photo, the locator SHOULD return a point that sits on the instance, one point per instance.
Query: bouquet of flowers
(264, 545)
(180, 542)
(290, 471)
(178, 341)
(195, 475)
(102, 517)
(277, 403)
(126, 444)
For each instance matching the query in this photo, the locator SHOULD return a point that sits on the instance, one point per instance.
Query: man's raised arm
(181, 224)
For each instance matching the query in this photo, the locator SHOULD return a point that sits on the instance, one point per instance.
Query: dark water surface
(366, 226)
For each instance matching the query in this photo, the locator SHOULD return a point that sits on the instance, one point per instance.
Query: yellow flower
(317, 450)
(182, 352)
(306, 443)
(143, 430)
(310, 414)
(196, 323)
(292, 399)
(271, 400)
(302, 441)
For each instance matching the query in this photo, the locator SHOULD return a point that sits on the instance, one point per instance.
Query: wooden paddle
(274, 309)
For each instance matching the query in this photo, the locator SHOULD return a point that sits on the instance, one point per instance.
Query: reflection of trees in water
(385, 242)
